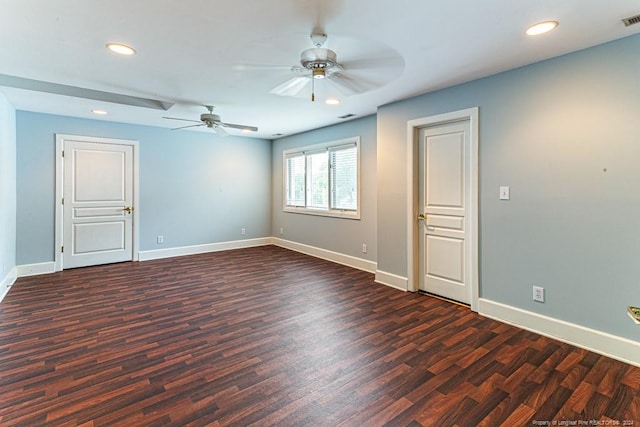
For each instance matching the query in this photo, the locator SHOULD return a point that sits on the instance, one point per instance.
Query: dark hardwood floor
(266, 336)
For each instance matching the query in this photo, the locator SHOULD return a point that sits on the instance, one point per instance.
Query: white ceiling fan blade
(291, 87)
(184, 120)
(188, 126)
(389, 61)
(220, 131)
(350, 85)
(260, 67)
(241, 127)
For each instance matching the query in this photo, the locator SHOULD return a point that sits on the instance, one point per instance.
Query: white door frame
(59, 211)
(413, 129)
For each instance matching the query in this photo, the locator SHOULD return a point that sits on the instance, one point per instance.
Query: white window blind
(344, 177)
(296, 176)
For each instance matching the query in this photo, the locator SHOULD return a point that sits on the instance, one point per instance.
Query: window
(295, 180)
(323, 179)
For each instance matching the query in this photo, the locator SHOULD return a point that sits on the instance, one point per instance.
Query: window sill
(321, 212)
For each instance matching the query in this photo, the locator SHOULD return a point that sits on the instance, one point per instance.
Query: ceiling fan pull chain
(313, 89)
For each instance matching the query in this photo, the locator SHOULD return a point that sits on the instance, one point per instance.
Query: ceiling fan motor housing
(318, 57)
(210, 119)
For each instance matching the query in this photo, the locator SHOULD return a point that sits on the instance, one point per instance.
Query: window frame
(314, 149)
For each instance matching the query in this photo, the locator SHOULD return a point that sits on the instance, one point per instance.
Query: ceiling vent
(631, 20)
(346, 116)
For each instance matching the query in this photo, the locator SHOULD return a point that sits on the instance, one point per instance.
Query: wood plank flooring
(265, 336)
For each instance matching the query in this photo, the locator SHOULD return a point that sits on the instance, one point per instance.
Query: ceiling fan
(214, 122)
(320, 63)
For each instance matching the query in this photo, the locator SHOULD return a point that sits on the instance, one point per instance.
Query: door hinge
(62, 153)
(61, 248)
(63, 200)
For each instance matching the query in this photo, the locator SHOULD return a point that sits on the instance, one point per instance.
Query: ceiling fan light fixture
(541, 28)
(120, 48)
(99, 112)
(318, 73)
(332, 101)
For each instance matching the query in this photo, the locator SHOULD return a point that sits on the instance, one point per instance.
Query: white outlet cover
(538, 294)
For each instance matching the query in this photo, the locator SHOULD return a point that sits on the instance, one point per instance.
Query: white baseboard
(612, 346)
(7, 282)
(348, 260)
(35, 269)
(392, 280)
(201, 249)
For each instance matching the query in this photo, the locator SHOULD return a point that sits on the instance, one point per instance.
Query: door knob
(422, 217)
(127, 209)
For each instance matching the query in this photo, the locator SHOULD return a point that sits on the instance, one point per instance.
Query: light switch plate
(504, 193)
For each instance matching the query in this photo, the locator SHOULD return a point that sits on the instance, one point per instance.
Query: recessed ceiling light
(120, 48)
(332, 101)
(541, 28)
(99, 112)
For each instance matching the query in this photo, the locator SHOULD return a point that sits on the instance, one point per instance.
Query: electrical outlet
(160, 239)
(243, 231)
(538, 294)
(364, 248)
(281, 230)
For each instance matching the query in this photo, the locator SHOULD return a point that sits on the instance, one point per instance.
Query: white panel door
(98, 197)
(444, 169)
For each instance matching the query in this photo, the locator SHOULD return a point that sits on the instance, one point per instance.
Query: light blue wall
(563, 134)
(344, 236)
(7, 188)
(195, 187)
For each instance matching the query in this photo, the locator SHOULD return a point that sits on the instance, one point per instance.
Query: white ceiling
(232, 53)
